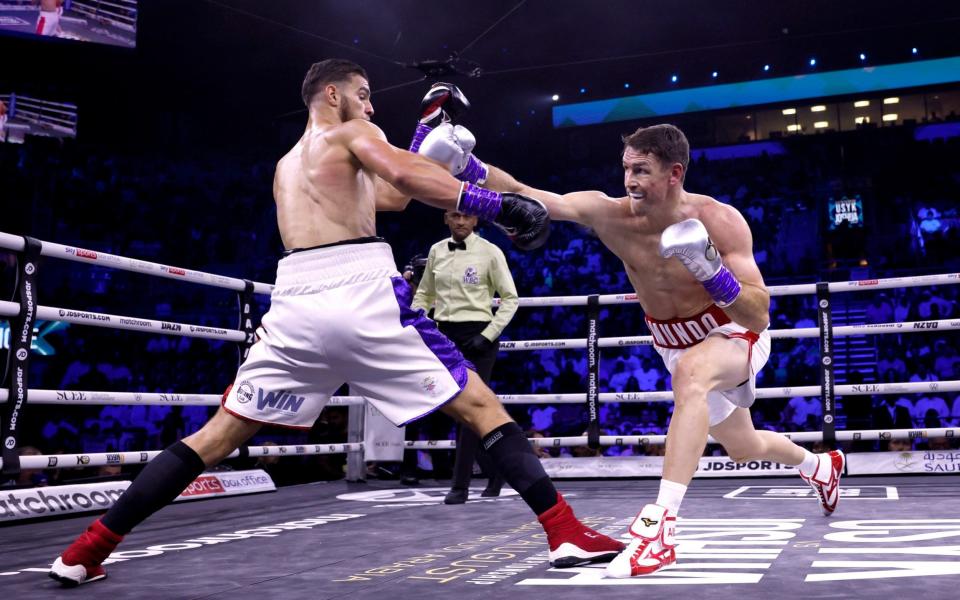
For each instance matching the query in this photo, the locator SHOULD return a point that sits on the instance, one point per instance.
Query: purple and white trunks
(341, 314)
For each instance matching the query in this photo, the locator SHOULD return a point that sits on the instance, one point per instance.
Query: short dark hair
(332, 70)
(666, 142)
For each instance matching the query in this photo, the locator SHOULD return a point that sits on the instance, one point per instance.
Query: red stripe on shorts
(686, 332)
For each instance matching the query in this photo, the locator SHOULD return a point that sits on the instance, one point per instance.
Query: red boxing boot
(81, 562)
(571, 542)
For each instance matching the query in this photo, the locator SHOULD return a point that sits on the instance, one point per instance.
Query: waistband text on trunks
(686, 332)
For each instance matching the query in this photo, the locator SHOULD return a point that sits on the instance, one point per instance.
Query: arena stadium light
(818, 108)
(789, 111)
(861, 104)
(794, 127)
(821, 124)
(891, 100)
(890, 117)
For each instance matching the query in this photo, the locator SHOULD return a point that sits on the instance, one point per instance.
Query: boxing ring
(736, 534)
(103, 21)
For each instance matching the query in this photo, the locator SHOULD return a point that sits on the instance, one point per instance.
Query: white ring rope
(49, 249)
(86, 398)
(70, 461)
(73, 397)
(52, 250)
(863, 389)
(108, 321)
(775, 290)
(803, 332)
(639, 440)
(100, 459)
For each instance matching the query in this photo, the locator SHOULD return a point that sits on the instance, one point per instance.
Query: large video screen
(111, 22)
(845, 211)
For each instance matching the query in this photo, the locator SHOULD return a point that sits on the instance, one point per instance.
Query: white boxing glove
(689, 242)
(451, 145)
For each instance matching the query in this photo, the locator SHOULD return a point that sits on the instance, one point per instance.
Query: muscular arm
(731, 234)
(409, 174)
(578, 207)
(390, 198)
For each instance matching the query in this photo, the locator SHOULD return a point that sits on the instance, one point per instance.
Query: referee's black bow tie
(456, 246)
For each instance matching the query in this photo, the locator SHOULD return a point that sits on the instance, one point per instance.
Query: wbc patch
(471, 276)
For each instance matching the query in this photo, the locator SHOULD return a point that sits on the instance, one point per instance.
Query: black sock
(513, 457)
(157, 485)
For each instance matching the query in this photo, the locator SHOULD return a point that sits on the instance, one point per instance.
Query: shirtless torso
(631, 228)
(329, 186)
(323, 195)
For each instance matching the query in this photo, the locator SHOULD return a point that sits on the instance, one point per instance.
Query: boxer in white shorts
(672, 338)
(690, 260)
(48, 21)
(340, 313)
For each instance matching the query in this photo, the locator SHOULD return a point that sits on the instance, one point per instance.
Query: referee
(461, 277)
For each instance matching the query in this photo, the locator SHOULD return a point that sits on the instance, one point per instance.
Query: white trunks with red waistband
(673, 337)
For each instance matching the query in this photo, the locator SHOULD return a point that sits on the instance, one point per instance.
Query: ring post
(827, 399)
(245, 306)
(356, 467)
(593, 372)
(18, 356)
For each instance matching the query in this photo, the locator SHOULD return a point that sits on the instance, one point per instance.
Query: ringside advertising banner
(38, 502)
(858, 463)
(652, 466)
(228, 483)
(59, 500)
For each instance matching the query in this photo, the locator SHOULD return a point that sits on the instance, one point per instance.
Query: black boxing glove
(526, 221)
(416, 265)
(476, 344)
(442, 102)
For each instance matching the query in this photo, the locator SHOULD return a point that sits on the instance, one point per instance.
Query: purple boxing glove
(525, 220)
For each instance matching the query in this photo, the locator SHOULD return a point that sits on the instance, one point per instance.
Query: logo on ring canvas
(245, 392)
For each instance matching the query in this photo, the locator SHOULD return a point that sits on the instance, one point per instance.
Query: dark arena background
(139, 244)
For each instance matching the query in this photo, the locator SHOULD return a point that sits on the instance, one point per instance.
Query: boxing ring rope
(48, 249)
(803, 332)
(98, 398)
(111, 321)
(775, 290)
(46, 115)
(109, 12)
(52, 250)
(641, 440)
(102, 459)
(72, 397)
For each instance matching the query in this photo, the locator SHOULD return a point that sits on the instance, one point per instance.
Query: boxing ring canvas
(737, 537)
